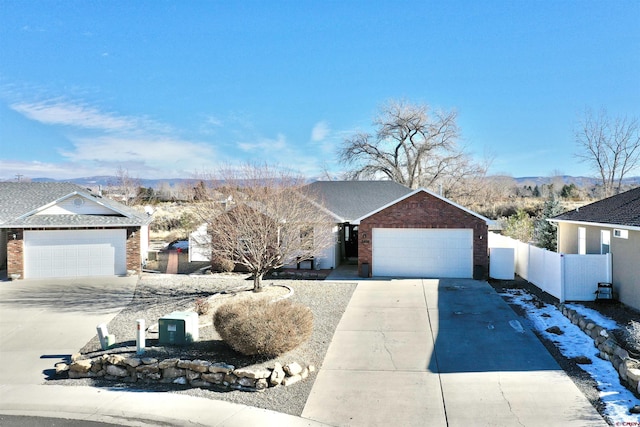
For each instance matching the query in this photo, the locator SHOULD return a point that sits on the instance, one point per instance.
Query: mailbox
(178, 328)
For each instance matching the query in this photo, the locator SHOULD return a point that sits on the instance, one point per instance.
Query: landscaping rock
(61, 368)
(293, 369)
(582, 360)
(221, 367)
(253, 373)
(116, 359)
(634, 374)
(215, 378)
(81, 366)
(555, 330)
(117, 371)
(148, 369)
(171, 373)
(133, 362)
(277, 375)
(291, 380)
(199, 366)
(168, 363)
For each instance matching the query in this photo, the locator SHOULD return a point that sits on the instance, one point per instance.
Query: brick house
(391, 230)
(63, 230)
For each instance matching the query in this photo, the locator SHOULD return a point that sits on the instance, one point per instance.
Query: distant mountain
(105, 180)
(579, 181)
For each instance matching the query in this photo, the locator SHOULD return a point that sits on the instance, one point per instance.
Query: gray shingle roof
(622, 209)
(350, 200)
(18, 199)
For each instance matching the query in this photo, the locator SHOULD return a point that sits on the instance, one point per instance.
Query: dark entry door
(351, 241)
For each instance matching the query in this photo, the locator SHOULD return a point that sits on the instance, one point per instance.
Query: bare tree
(611, 147)
(271, 223)
(123, 187)
(413, 145)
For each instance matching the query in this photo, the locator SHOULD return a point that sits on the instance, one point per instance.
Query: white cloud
(66, 170)
(151, 152)
(58, 112)
(265, 145)
(320, 131)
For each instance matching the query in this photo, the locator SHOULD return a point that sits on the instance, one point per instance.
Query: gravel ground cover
(157, 295)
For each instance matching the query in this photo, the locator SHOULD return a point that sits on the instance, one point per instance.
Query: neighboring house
(611, 225)
(64, 230)
(392, 230)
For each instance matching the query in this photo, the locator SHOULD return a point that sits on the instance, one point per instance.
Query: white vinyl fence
(566, 277)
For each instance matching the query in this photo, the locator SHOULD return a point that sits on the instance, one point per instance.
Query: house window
(605, 241)
(306, 238)
(621, 234)
(582, 240)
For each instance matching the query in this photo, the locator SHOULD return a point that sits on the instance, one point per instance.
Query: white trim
(406, 196)
(595, 224)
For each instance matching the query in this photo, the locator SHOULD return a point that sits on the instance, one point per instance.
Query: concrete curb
(136, 408)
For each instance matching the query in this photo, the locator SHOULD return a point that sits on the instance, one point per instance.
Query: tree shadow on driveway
(87, 295)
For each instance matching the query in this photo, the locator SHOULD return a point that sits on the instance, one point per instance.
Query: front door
(350, 241)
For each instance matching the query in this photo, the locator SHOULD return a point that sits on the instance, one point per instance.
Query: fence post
(609, 269)
(562, 279)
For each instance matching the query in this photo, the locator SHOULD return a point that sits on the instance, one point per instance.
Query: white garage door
(74, 253)
(422, 252)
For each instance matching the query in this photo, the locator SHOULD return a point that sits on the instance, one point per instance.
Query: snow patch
(616, 398)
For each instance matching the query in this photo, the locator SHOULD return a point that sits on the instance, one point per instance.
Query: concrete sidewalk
(440, 353)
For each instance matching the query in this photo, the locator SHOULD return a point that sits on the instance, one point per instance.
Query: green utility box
(178, 328)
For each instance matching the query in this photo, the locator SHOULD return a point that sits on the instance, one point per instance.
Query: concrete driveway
(445, 352)
(43, 322)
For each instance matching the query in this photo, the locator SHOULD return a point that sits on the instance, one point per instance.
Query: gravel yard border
(157, 295)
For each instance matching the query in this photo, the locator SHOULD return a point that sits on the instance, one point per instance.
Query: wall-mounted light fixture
(15, 236)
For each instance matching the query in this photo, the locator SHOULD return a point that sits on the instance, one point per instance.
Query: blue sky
(176, 88)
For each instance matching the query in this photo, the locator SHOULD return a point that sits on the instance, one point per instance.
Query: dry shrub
(202, 306)
(262, 327)
(221, 264)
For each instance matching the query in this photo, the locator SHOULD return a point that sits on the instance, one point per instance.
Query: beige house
(611, 225)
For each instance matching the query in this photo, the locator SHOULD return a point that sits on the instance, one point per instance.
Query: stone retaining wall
(195, 373)
(627, 367)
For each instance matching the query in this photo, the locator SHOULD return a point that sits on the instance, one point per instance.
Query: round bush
(221, 264)
(262, 327)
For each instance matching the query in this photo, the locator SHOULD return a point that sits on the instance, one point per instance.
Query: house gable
(423, 209)
(76, 204)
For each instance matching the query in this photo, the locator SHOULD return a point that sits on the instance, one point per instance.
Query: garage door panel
(74, 253)
(411, 252)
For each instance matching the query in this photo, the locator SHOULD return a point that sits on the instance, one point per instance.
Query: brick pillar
(15, 253)
(134, 260)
